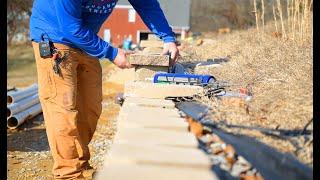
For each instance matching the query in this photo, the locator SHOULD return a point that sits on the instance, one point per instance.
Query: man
(69, 79)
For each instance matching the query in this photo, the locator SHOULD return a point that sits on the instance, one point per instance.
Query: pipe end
(8, 112)
(9, 100)
(12, 123)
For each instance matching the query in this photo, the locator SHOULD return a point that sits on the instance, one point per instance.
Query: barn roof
(177, 12)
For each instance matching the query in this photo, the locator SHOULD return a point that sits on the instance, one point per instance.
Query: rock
(224, 30)
(199, 42)
(218, 159)
(206, 139)
(143, 73)
(196, 128)
(239, 168)
(216, 148)
(242, 161)
(150, 102)
(149, 59)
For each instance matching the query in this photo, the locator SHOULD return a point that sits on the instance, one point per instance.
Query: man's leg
(89, 101)
(57, 96)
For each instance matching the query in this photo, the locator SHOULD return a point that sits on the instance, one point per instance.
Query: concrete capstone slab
(145, 102)
(145, 73)
(152, 139)
(159, 91)
(153, 172)
(149, 59)
(161, 137)
(121, 152)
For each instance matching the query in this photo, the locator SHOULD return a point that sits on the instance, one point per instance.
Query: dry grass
(295, 20)
(278, 71)
(21, 66)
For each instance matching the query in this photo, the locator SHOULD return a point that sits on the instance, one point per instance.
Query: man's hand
(121, 60)
(171, 48)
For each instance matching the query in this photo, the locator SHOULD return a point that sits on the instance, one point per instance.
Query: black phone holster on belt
(45, 47)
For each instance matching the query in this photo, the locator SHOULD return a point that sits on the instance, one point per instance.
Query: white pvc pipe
(15, 96)
(17, 119)
(21, 105)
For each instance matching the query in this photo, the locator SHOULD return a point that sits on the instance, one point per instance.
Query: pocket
(47, 87)
(66, 82)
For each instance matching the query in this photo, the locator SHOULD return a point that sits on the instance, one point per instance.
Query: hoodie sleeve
(70, 23)
(152, 15)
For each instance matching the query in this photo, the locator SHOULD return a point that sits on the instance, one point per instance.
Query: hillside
(278, 72)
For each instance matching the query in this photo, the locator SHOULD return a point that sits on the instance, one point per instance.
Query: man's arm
(153, 17)
(70, 23)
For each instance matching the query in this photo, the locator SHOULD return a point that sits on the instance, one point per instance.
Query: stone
(147, 112)
(224, 30)
(148, 119)
(238, 168)
(151, 43)
(123, 153)
(154, 172)
(151, 120)
(152, 139)
(143, 73)
(149, 102)
(157, 137)
(176, 125)
(199, 42)
(149, 59)
(159, 91)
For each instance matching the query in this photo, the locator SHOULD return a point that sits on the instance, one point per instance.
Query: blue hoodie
(76, 23)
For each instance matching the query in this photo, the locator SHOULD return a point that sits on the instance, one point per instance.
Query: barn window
(131, 15)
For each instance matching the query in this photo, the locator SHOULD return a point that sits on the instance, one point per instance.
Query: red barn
(125, 22)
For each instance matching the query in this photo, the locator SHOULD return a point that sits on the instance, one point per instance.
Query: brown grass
(21, 66)
(279, 73)
(295, 21)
